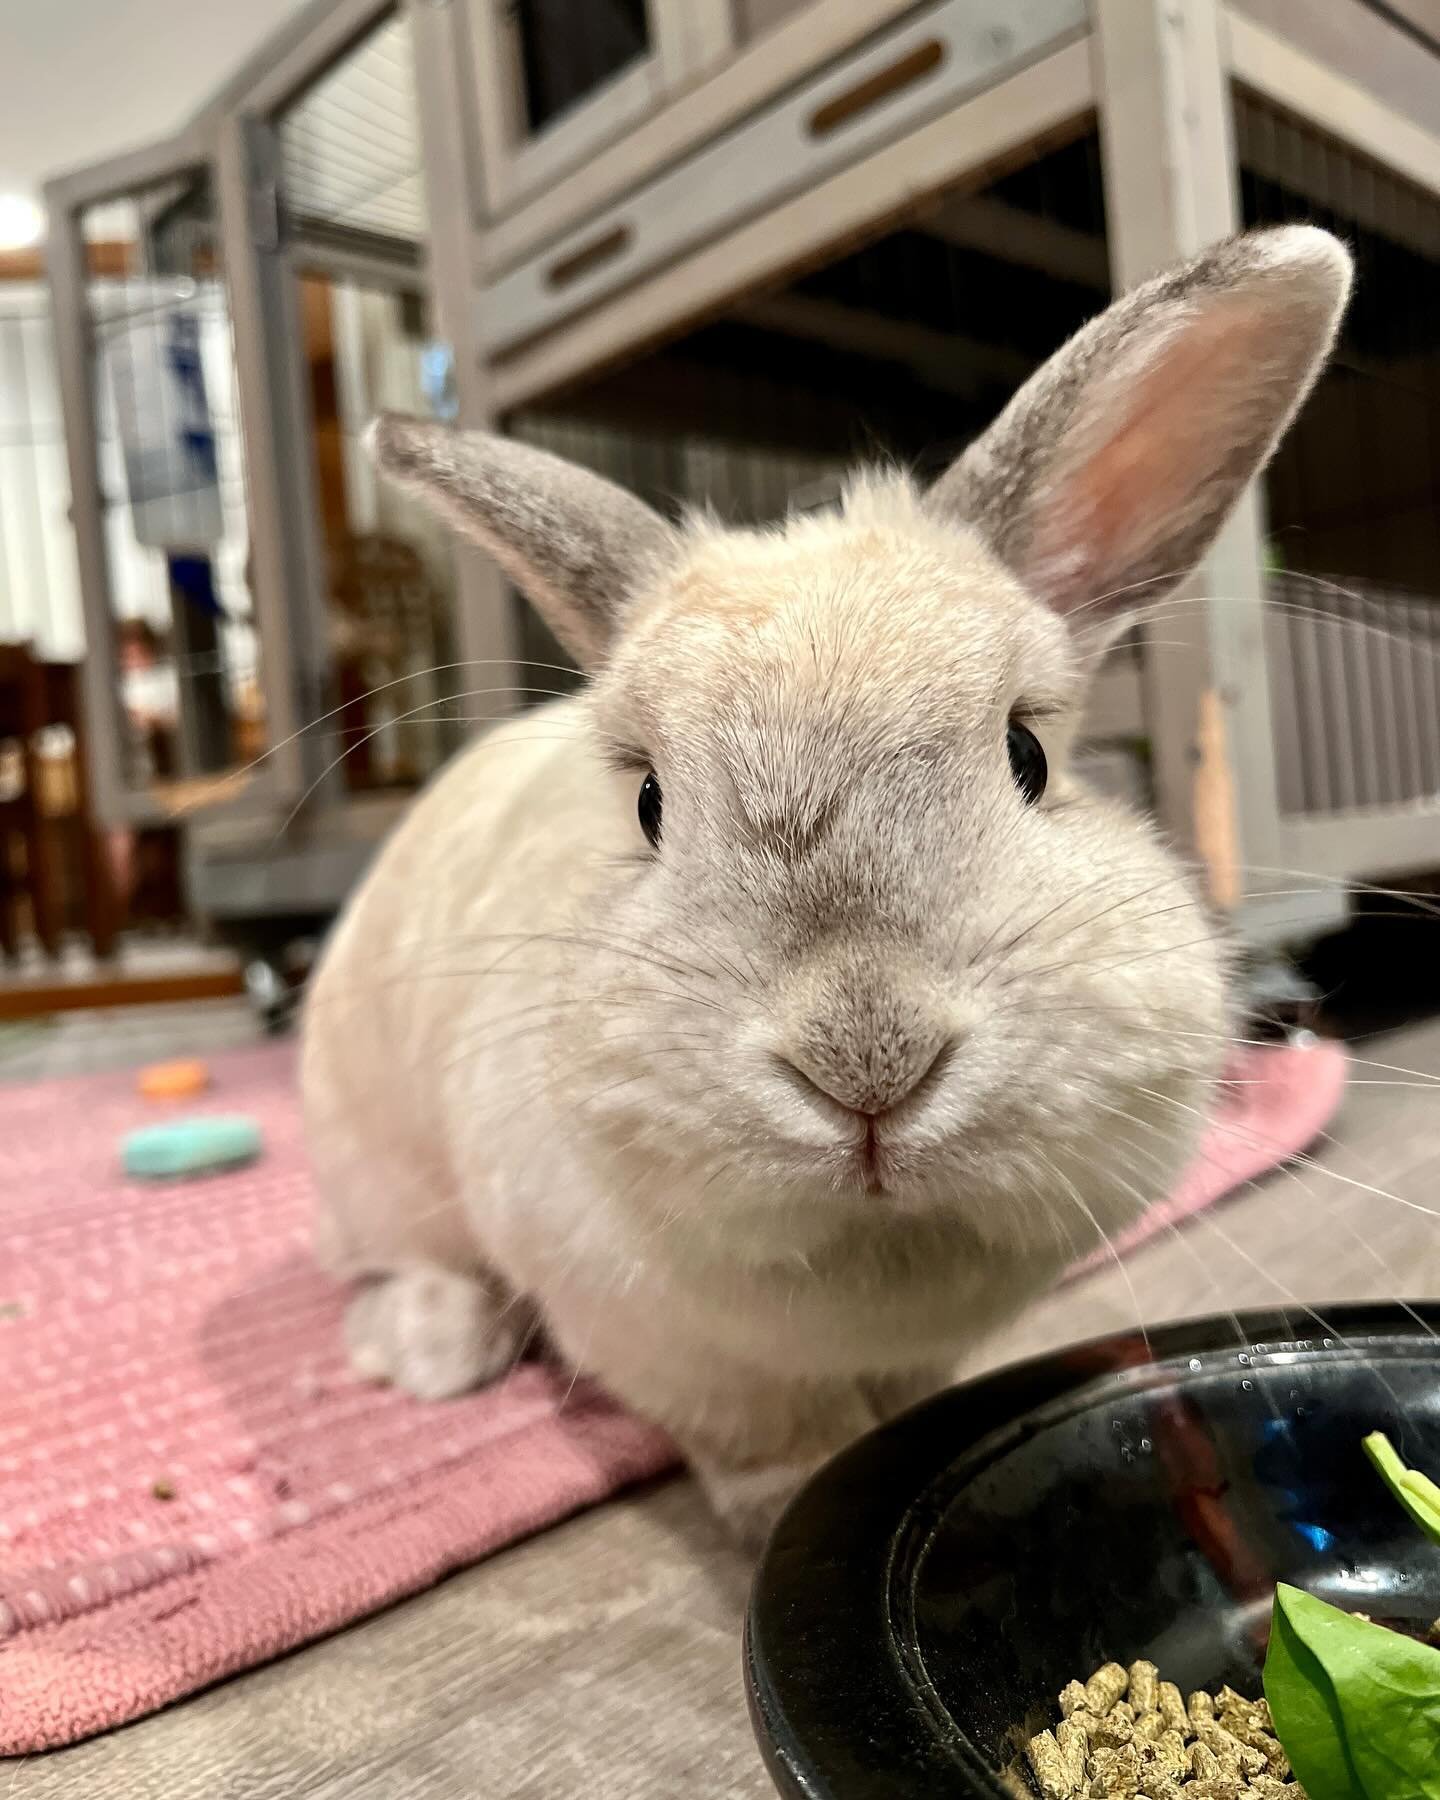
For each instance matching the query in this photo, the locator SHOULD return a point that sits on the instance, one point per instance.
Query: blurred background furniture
(54, 873)
(719, 249)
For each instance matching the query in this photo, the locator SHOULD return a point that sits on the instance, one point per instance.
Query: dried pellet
(1105, 1687)
(1074, 1742)
(1072, 1698)
(1200, 1708)
(1279, 1762)
(1113, 1731)
(1171, 1753)
(1125, 1735)
(1144, 1679)
(1121, 1778)
(1204, 1763)
(1246, 1729)
(1218, 1787)
(1223, 1747)
(1235, 1757)
(1172, 1708)
(1052, 1770)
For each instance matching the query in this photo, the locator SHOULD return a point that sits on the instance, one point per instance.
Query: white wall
(83, 79)
(39, 584)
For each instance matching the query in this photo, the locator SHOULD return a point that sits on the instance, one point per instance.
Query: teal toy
(190, 1147)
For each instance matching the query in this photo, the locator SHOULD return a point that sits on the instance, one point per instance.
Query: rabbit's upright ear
(1106, 477)
(574, 542)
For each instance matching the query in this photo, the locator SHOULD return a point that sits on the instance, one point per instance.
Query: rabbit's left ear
(1106, 477)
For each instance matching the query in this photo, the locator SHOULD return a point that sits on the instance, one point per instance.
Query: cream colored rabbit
(778, 1015)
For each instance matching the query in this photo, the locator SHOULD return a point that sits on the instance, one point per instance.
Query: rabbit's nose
(869, 1079)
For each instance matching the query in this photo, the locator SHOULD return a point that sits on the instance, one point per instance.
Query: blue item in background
(437, 380)
(194, 579)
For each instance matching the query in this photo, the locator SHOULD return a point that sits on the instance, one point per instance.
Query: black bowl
(928, 1594)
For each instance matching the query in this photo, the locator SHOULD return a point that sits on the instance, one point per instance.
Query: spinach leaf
(1303, 1705)
(1357, 1707)
(1416, 1492)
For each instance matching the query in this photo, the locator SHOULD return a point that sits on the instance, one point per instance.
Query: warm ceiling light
(21, 222)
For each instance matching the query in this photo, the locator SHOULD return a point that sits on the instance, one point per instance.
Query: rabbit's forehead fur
(776, 667)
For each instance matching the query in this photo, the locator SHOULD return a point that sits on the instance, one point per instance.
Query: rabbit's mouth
(871, 1159)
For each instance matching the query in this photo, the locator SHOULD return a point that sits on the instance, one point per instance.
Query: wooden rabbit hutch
(721, 248)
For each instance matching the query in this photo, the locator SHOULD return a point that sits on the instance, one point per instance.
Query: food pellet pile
(1127, 1735)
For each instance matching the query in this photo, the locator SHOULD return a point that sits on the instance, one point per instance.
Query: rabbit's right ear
(577, 544)
(1106, 477)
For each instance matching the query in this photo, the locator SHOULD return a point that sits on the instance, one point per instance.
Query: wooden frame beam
(977, 222)
(943, 360)
(1171, 188)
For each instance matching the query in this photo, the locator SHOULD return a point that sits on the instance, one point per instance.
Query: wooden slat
(977, 222)
(942, 359)
(31, 998)
(105, 260)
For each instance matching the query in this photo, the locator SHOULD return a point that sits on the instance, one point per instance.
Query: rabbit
(776, 1016)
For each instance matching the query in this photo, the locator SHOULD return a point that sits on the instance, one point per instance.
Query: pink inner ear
(1136, 480)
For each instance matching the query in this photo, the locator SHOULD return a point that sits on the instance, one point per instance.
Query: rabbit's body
(770, 1120)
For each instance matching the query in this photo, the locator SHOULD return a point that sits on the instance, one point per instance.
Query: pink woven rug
(191, 1482)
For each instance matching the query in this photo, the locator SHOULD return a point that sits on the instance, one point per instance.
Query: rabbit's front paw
(433, 1333)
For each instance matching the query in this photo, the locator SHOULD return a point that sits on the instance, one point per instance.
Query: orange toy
(174, 1080)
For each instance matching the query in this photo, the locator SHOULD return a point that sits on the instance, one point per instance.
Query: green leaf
(1357, 1707)
(1303, 1705)
(1416, 1492)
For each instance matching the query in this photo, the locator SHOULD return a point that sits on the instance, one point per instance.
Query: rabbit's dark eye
(1027, 762)
(650, 807)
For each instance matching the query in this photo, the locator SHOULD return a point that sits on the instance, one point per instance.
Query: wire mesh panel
(1353, 496)
(1356, 672)
(183, 643)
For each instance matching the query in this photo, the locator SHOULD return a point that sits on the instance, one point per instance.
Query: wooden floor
(602, 1659)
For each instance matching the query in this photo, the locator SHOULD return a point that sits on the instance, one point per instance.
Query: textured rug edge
(143, 1661)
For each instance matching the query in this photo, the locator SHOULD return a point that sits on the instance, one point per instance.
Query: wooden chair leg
(9, 925)
(41, 874)
(102, 903)
(101, 906)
